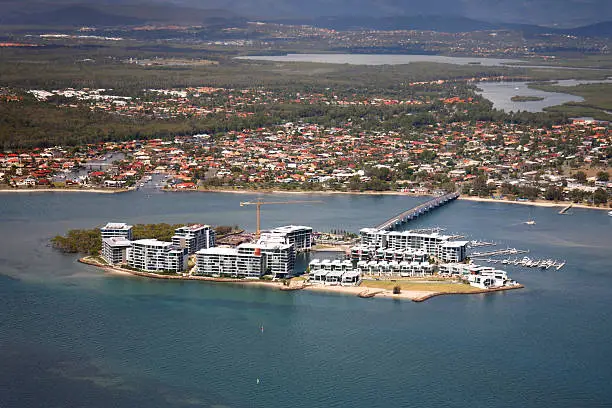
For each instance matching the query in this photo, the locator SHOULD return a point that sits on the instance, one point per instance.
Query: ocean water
(72, 336)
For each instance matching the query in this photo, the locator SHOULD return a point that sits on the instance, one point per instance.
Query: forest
(89, 241)
(27, 123)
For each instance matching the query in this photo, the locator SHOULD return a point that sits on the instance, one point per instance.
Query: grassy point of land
(519, 98)
(422, 285)
(597, 99)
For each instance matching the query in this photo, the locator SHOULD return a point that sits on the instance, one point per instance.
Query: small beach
(537, 203)
(63, 190)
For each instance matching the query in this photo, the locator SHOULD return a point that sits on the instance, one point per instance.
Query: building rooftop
(193, 228)
(454, 244)
(117, 242)
(289, 228)
(152, 242)
(218, 251)
(117, 226)
(265, 245)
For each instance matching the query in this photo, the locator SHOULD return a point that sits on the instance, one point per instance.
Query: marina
(525, 262)
(507, 251)
(477, 244)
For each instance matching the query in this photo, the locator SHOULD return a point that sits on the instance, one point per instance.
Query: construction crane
(259, 203)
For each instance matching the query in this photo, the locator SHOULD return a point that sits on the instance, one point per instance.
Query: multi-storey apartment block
(154, 255)
(434, 244)
(229, 262)
(194, 237)
(114, 249)
(280, 258)
(250, 260)
(116, 229)
(299, 236)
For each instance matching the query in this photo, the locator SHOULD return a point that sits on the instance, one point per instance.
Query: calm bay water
(72, 336)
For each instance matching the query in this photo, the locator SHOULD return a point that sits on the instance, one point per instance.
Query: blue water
(71, 336)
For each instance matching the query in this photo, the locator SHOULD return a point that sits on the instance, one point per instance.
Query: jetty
(525, 262)
(477, 244)
(565, 209)
(507, 251)
(417, 211)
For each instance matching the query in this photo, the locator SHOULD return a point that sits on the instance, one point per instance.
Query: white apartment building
(336, 272)
(279, 258)
(454, 251)
(395, 268)
(116, 229)
(364, 253)
(114, 249)
(250, 260)
(228, 262)
(194, 237)
(300, 236)
(153, 255)
(434, 244)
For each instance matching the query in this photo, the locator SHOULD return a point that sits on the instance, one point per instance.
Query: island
(526, 98)
(379, 262)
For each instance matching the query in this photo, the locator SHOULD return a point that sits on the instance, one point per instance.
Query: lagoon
(500, 93)
(72, 336)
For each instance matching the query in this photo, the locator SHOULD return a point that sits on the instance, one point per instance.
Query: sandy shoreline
(538, 203)
(301, 192)
(62, 190)
(413, 295)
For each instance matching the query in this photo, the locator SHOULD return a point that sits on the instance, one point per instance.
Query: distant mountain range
(126, 12)
(560, 13)
(44, 13)
(449, 24)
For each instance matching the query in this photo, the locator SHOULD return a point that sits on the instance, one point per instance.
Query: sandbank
(537, 203)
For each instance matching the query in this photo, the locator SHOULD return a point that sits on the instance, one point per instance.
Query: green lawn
(597, 99)
(426, 286)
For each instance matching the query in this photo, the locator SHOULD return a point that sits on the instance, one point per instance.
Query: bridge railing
(434, 202)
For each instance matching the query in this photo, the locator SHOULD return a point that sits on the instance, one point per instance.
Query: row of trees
(39, 124)
(480, 188)
(89, 241)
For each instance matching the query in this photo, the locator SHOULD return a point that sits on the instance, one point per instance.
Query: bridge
(417, 211)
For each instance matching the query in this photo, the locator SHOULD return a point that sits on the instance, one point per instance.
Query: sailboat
(530, 221)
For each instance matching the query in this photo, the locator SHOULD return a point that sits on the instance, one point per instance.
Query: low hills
(112, 13)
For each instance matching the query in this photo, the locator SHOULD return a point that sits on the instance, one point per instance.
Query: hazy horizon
(562, 13)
